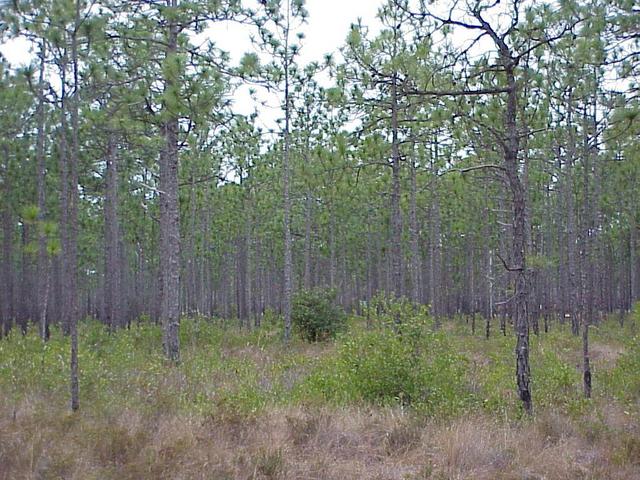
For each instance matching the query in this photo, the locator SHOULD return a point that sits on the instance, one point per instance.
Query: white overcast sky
(327, 28)
(325, 32)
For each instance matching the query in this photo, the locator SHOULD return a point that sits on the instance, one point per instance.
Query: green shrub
(316, 316)
(417, 368)
(388, 310)
(623, 381)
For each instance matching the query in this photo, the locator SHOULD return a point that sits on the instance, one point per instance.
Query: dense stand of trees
(476, 164)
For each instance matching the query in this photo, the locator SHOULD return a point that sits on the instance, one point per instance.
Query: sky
(325, 32)
(327, 28)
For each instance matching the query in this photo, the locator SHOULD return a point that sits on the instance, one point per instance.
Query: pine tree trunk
(415, 239)
(307, 240)
(242, 279)
(519, 239)
(572, 235)
(435, 252)
(633, 259)
(286, 177)
(112, 238)
(43, 261)
(588, 251)
(7, 309)
(333, 266)
(170, 220)
(396, 217)
(72, 259)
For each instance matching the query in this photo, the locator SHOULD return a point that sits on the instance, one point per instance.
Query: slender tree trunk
(561, 241)
(588, 250)
(307, 240)
(472, 288)
(572, 235)
(488, 257)
(112, 238)
(415, 239)
(43, 262)
(633, 258)
(73, 216)
(286, 178)
(7, 309)
(189, 303)
(396, 217)
(435, 253)
(241, 279)
(170, 217)
(370, 270)
(333, 266)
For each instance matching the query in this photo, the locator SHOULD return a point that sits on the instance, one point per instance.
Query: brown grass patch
(40, 441)
(605, 353)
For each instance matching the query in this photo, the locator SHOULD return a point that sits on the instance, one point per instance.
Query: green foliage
(316, 315)
(417, 368)
(540, 262)
(623, 381)
(554, 381)
(388, 310)
(249, 64)
(30, 213)
(229, 372)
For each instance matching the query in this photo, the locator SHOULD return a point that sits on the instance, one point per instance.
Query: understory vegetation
(382, 400)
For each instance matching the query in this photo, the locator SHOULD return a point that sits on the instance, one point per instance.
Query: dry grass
(605, 353)
(39, 442)
(152, 436)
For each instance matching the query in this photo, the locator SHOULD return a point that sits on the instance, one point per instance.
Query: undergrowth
(440, 401)
(438, 372)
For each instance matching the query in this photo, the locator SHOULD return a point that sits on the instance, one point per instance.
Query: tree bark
(286, 178)
(333, 264)
(43, 261)
(241, 279)
(633, 259)
(113, 316)
(511, 164)
(170, 215)
(7, 309)
(308, 211)
(435, 252)
(396, 216)
(572, 236)
(73, 215)
(414, 239)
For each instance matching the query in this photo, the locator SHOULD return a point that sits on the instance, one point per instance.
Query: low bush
(417, 367)
(316, 316)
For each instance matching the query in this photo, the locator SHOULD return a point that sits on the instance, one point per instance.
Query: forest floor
(242, 405)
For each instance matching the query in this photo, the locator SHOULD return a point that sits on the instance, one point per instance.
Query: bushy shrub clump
(415, 367)
(316, 316)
